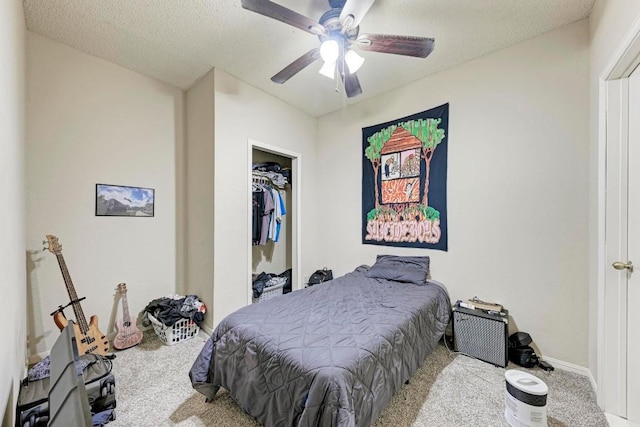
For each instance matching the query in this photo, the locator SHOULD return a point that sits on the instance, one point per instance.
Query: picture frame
(124, 200)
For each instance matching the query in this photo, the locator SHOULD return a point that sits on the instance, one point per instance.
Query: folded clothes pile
(274, 171)
(172, 308)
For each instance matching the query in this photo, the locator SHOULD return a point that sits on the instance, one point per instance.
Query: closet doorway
(276, 257)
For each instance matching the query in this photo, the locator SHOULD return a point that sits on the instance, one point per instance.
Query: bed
(333, 354)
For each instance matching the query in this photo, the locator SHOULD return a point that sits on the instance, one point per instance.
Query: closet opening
(274, 246)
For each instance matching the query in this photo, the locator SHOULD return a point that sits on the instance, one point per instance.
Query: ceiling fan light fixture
(338, 29)
(353, 60)
(328, 69)
(329, 50)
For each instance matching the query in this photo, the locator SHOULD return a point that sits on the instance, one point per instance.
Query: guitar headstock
(122, 288)
(52, 244)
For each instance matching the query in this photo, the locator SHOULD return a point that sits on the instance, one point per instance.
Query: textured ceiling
(178, 42)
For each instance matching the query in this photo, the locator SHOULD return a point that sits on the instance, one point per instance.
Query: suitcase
(32, 409)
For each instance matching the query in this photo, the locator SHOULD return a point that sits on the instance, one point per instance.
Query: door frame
(610, 331)
(295, 216)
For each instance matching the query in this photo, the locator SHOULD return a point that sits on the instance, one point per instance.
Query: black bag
(524, 356)
(320, 276)
(520, 352)
(32, 409)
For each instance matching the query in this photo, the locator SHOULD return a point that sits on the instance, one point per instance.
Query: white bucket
(526, 400)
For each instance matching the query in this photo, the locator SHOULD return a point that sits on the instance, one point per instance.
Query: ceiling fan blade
(351, 82)
(296, 66)
(282, 14)
(352, 85)
(357, 9)
(419, 47)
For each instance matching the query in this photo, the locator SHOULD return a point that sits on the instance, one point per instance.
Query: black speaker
(481, 335)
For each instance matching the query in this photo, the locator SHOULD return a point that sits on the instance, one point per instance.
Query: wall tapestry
(404, 181)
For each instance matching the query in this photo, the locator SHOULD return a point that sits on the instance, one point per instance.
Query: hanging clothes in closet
(268, 206)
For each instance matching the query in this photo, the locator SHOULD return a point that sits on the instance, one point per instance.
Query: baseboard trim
(570, 367)
(577, 369)
(207, 329)
(594, 384)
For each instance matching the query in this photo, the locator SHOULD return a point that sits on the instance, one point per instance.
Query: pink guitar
(128, 333)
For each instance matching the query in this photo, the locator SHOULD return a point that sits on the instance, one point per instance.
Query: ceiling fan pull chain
(340, 71)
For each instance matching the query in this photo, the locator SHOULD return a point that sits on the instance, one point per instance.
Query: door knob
(621, 266)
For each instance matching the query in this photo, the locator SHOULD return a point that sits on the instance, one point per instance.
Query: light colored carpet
(470, 392)
(153, 389)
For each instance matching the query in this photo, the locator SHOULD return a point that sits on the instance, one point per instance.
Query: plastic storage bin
(182, 330)
(268, 293)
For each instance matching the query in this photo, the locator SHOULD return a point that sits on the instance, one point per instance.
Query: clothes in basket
(175, 318)
(172, 308)
(264, 281)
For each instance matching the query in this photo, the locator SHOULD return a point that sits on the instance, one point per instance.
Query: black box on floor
(481, 335)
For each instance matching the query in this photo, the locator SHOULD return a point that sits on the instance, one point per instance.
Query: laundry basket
(269, 292)
(182, 330)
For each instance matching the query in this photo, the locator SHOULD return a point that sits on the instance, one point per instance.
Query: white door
(633, 285)
(621, 349)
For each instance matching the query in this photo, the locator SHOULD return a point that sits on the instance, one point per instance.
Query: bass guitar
(128, 333)
(89, 339)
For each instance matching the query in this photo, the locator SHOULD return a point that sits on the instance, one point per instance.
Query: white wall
(12, 224)
(199, 195)
(517, 184)
(91, 121)
(244, 112)
(609, 23)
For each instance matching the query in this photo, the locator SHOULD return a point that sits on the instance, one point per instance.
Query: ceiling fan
(338, 31)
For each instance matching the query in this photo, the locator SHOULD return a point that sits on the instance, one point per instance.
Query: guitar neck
(125, 309)
(77, 308)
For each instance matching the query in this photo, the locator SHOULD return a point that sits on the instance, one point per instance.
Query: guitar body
(127, 336)
(91, 342)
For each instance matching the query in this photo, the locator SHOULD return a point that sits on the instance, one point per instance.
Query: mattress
(333, 354)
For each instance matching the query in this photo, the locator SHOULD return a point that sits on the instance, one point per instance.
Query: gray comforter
(330, 355)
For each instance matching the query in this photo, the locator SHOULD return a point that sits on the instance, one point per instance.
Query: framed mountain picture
(121, 200)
